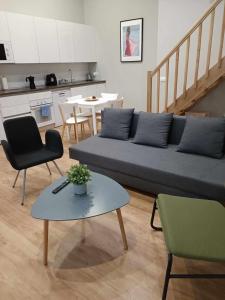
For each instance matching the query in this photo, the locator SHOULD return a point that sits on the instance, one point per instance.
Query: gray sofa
(154, 170)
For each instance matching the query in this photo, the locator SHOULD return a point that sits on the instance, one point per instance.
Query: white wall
(175, 18)
(67, 10)
(128, 79)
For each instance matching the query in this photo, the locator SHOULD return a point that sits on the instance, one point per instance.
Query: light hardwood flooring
(86, 258)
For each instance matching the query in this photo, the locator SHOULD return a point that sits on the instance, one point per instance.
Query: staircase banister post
(149, 91)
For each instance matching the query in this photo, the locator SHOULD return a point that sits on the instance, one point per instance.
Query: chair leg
(89, 126)
(50, 173)
(17, 175)
(57, 167)
(24, 185)
(76, 133)
(167, 276)
(68, 132)
(82, 129)
(63, 130)
(153, 217)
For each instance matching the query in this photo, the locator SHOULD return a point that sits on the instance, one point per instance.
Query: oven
(6, 53)
(41, 107)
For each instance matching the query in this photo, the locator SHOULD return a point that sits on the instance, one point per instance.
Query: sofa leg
(153, 217)
(167, 276)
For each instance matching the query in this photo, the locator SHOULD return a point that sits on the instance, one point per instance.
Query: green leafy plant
(79, 174)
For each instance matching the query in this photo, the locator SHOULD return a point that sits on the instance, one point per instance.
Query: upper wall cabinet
(23, 38)
(47, 40)
(4, 30)
(65, 38)
(84, 39)
(41, 40)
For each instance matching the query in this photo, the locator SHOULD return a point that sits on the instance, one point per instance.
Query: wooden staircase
(166, 98)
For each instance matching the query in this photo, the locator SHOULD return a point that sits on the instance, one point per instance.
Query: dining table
(93, 104)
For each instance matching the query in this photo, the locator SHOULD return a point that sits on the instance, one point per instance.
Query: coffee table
(104, 195)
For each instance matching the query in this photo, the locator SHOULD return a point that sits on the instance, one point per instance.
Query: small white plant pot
(80, 189)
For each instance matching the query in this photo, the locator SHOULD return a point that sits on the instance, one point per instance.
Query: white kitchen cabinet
(4, 30)
(65, 38)
(23, 38)
(84, 39)
(47, 40)
(13, 106)
(2, 131)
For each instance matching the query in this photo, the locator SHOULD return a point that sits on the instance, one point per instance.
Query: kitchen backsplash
(16, 73)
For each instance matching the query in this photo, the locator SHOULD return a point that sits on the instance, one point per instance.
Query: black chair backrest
(23, 134)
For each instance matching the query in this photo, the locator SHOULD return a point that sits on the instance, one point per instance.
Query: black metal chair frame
(153, 217)
(25, 176)
(169, 276)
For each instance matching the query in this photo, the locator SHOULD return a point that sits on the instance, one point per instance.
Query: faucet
(71, 75)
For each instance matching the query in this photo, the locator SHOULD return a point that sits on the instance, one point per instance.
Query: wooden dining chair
(86, 112)
(113, 104)
(72, 118)
(110, 97)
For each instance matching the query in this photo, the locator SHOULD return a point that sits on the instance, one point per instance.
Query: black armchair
(24, 148)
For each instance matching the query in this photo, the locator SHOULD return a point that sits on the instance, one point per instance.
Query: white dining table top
(84, 102)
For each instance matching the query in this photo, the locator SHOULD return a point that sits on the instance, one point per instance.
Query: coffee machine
(31, 81)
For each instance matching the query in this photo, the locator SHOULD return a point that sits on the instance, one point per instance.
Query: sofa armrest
(54, 142)
(9, 154)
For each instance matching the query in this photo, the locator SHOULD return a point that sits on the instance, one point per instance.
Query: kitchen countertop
(42, 88)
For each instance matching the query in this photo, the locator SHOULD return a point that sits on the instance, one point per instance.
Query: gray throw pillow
(153, 129)
(203, 136)
(116, 123)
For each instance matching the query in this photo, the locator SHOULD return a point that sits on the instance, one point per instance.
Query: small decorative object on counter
(79, 175)
(4, 83)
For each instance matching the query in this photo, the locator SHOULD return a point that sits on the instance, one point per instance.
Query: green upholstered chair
(194, 229)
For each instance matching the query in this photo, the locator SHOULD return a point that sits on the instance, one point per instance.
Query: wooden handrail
(198, 23)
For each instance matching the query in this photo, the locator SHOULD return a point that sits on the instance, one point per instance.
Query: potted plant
(79, 175)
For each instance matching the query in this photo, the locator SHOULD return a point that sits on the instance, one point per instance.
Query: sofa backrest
(176, 130)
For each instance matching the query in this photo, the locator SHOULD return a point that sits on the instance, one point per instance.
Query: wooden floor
(86, 258)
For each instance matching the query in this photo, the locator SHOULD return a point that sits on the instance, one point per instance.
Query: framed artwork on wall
(131, 40)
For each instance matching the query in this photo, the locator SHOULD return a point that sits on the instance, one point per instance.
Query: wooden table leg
(94, 120)
(120, 219)
(45, 252)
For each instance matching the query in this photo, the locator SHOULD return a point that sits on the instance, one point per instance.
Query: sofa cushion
(191, 174)
(203, 136)
(153, 129)
(116, 123)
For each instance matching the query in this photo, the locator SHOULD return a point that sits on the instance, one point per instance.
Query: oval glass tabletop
(103, 195)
